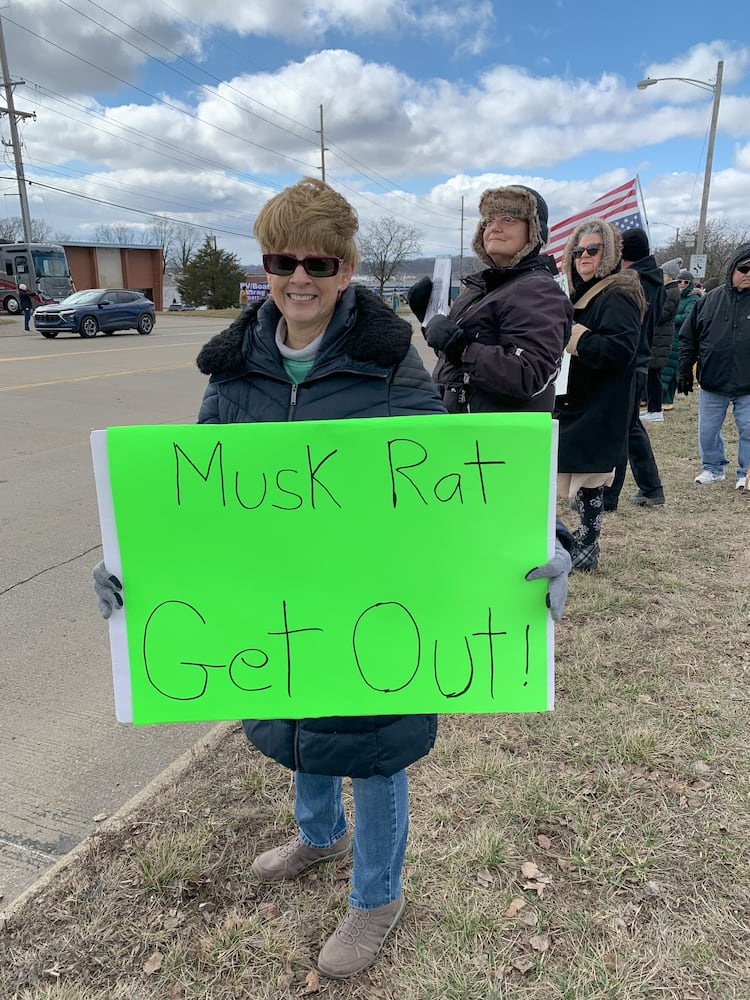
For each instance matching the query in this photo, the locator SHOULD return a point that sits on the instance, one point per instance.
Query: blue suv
(95, 309)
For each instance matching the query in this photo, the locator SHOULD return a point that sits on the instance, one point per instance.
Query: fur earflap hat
(609, 258)
(523, 203)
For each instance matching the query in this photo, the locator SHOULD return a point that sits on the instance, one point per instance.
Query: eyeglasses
(284, 264)
(592, 250)
(498, 220)
(683, 281)
(743, 268)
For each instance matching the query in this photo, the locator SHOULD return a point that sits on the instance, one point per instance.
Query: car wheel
(145, 324)
(49, 334)
(11, 305)
(89, 327)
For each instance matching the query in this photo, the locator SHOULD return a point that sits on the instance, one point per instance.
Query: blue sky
(201, 111)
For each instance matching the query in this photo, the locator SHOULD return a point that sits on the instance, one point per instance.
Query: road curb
(198, 750)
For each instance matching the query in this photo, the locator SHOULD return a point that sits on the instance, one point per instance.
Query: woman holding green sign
(317, 349)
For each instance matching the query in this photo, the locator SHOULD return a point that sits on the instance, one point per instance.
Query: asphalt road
(64, 758)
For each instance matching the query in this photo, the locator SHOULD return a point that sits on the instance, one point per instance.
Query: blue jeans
(26, 318)
(712, 410)
(381, 828)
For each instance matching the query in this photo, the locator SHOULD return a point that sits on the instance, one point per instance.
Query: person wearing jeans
(319, 348)
(715, 338)
(381, 805)
(712, 411)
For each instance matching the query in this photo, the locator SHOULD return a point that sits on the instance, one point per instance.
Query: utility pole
(461, 258)
(13, 115)
(322, 148)
(700, 239)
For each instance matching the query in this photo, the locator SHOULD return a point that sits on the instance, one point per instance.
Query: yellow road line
(88, 378)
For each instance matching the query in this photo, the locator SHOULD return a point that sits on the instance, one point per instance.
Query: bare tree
(385, 245)
(118, 233)
(166, 233)
(11, 228)
(186, 241)
(723, 236)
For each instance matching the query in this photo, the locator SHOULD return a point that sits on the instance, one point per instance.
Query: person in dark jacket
(499, 348)
(26, 305)
(661, 345)
(689, 295)
(320, 349)
(716, 335)
(637, 448)
(609, 306)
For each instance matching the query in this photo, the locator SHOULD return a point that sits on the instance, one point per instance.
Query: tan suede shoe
(293, 858)
(355, 943)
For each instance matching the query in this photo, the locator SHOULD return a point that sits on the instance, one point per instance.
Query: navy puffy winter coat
(366, 367)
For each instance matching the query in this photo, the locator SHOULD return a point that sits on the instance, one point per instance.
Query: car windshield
(81, 298)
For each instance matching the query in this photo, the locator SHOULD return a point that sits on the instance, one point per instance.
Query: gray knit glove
(107, 589)
(556, 571)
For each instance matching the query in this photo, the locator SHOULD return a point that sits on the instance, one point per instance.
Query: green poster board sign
(315, 568)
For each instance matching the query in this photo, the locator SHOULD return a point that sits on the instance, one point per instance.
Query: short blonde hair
(308, 214)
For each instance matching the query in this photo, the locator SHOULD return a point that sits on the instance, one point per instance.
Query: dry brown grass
(631, 799)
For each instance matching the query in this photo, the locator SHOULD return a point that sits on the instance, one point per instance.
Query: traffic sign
(697, 264)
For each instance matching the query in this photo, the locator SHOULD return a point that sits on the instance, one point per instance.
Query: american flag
(623, 207)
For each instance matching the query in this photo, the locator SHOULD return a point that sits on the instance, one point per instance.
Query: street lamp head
(648, 82)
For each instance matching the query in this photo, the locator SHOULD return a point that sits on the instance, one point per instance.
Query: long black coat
(595, 412)
(661, 345)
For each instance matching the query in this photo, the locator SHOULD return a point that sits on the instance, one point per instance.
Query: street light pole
(700, 239)
(716, 89)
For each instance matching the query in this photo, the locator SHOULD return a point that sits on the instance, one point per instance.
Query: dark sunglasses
(285, 265)
(592, 250)
(743, 268)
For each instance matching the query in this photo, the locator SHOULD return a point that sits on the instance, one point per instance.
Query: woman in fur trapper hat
(609, 306)
(499, 349)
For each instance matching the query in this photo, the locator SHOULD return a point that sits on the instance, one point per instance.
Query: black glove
(418, 297)
(443, 335)
(685, 383)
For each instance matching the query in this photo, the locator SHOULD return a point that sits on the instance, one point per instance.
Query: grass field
(599, 851)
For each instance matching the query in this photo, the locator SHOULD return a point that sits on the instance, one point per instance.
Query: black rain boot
(585, 553)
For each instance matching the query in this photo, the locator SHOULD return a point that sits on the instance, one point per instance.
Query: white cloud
(206, 153)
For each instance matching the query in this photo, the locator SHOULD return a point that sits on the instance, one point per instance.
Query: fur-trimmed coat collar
(368, 329)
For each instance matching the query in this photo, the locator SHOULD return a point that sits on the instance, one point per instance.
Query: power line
(173, 69)
(161, 100)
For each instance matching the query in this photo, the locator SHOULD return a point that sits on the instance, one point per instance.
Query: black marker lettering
(217, 451)
(453, 694)
(183, 663)
(490, 636)
(290, 493)
(289, 632)
(314, 479)
(400, 468)
(242, 659)
(480, 463)
(249, 506)
(367, 611)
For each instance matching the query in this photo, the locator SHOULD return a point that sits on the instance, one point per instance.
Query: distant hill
(409, 271)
